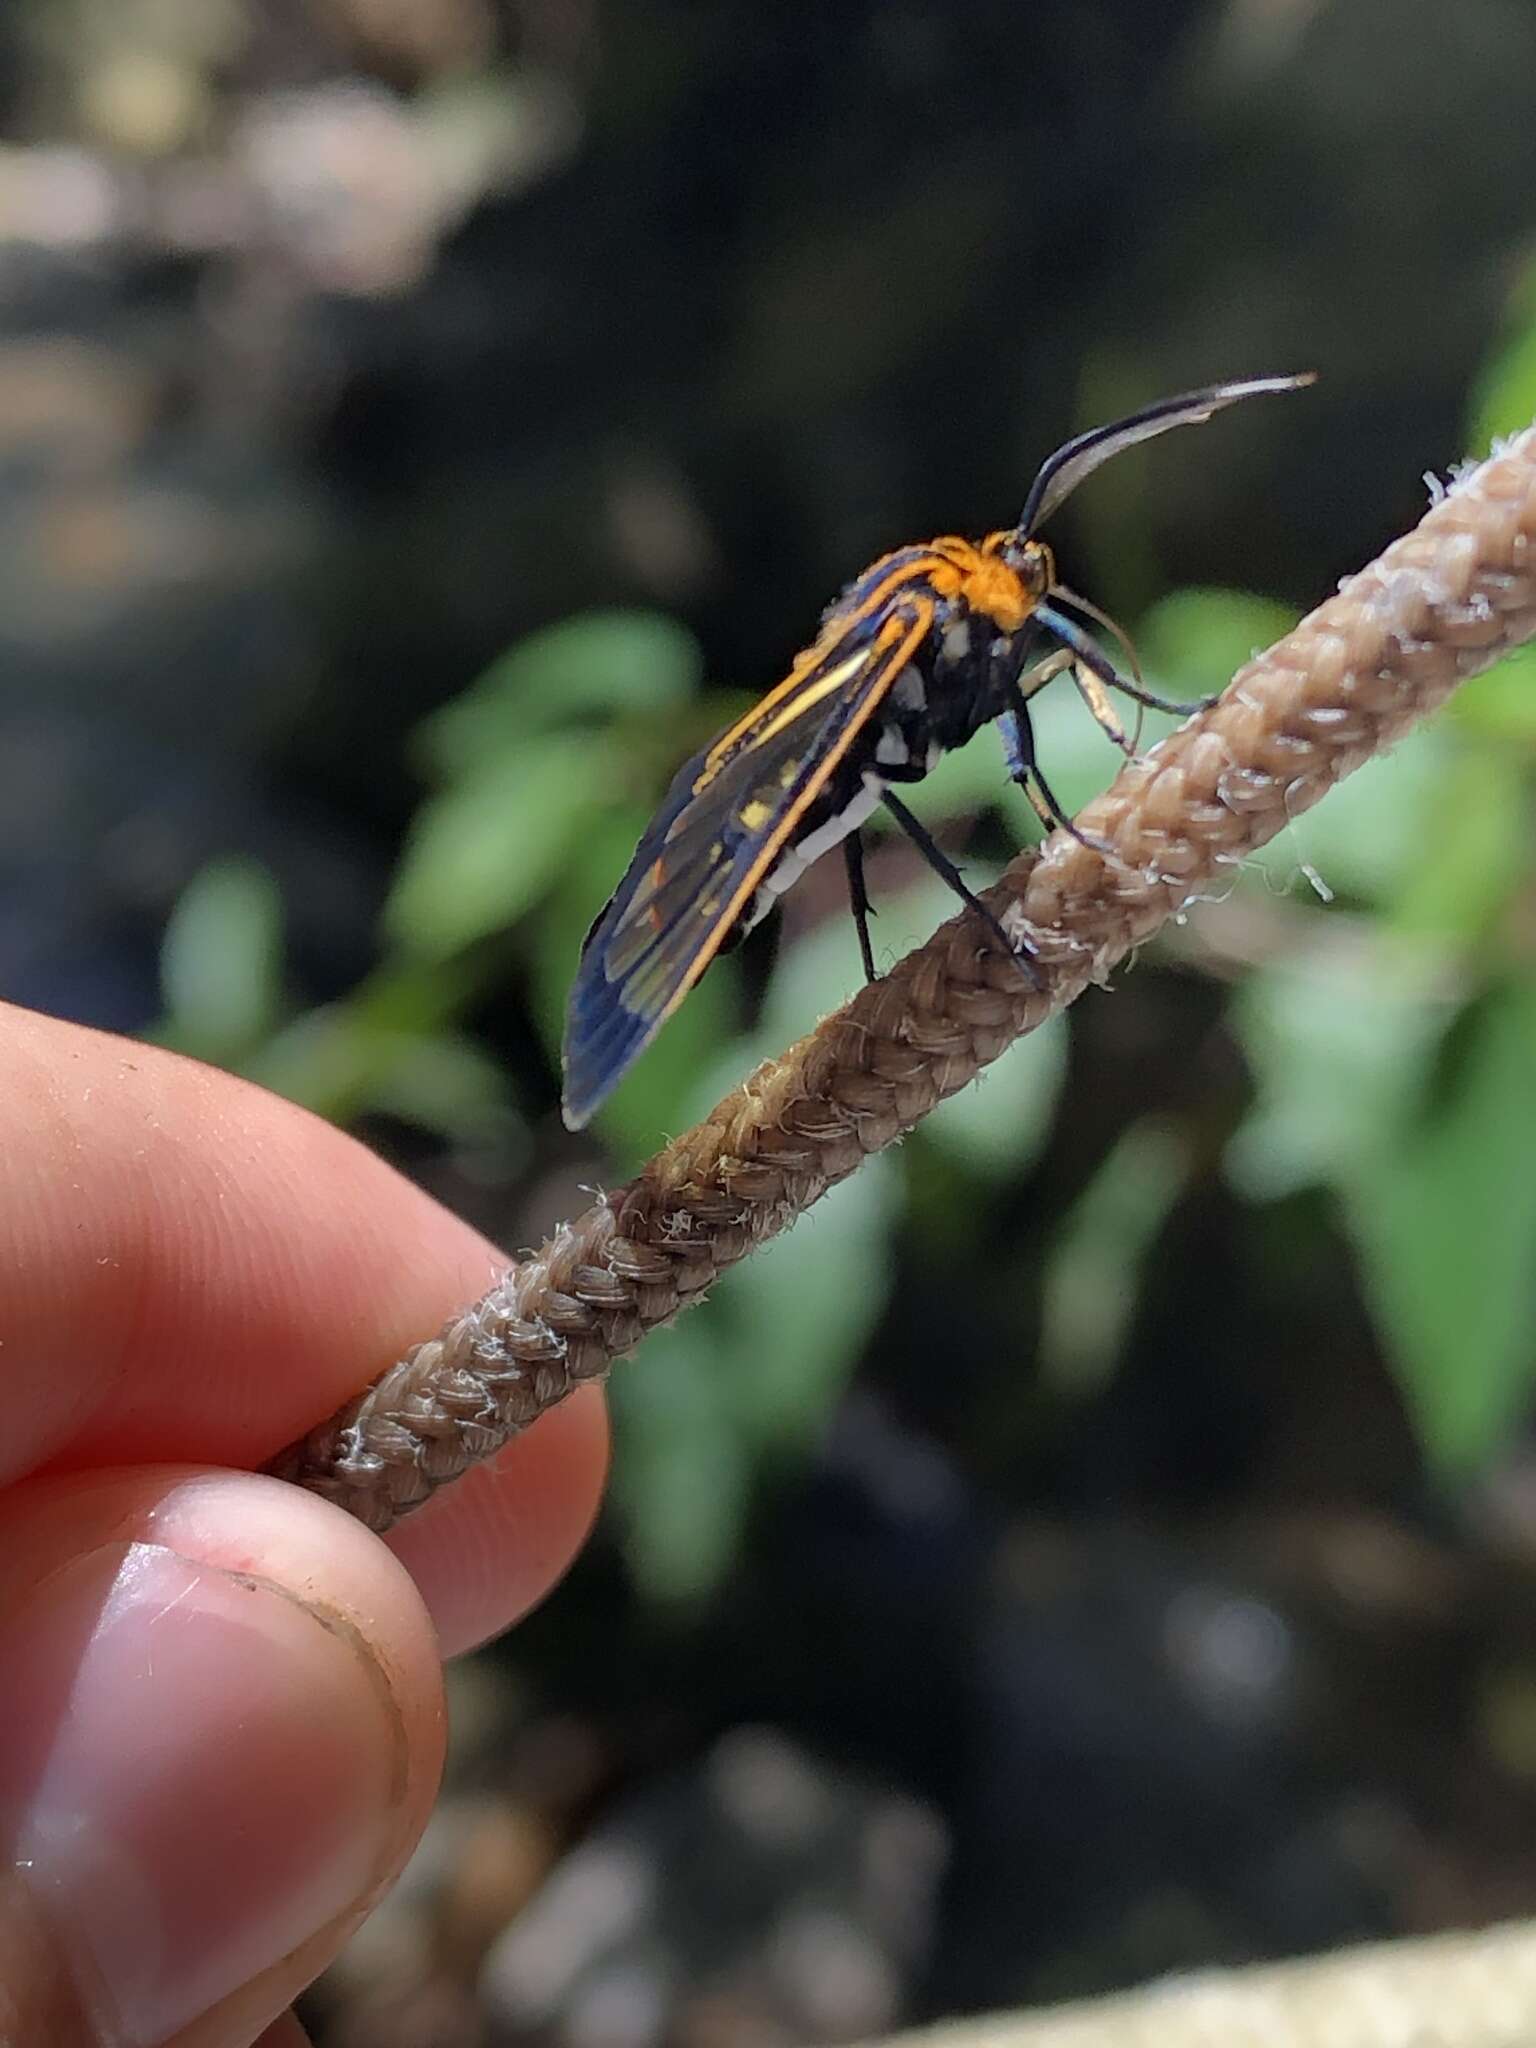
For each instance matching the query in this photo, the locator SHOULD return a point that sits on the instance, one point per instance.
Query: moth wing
(727, 817)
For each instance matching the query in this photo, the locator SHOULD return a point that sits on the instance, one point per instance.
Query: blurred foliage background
(1102, 1537)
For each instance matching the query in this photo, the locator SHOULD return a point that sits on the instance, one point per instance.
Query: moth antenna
(1061, 473)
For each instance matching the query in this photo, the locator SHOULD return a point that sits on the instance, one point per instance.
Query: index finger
(196, 1272)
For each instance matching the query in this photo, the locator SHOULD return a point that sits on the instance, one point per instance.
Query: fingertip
(284, 2032)
(210, 1659)
(492, 1545)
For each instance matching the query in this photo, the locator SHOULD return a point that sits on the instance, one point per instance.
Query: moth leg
(1092, 691)
(1096, 697)
(1019, 749)
(1018, 734)
(858, 899)
(945, 868)
(1040, 673)
(1017, 688)
(1098, 664)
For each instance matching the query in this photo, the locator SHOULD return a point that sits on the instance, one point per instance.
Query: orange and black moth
(926, 647)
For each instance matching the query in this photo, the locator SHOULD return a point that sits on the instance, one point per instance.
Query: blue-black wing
(728, 816)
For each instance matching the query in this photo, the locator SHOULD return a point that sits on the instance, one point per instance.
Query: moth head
(1030, 560)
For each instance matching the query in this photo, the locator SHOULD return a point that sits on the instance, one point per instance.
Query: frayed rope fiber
(1442, 603)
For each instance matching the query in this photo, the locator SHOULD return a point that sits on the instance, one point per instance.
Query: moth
(931, 643)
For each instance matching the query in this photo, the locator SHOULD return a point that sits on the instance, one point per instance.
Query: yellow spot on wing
(898, 640)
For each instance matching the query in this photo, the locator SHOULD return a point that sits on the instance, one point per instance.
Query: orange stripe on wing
(812, 693)
(932, 572)
(903, 640)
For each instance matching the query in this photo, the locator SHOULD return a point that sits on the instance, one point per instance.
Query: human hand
(221, 1717)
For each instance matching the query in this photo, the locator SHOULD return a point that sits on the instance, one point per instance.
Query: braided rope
(1473, 1990)
(1440, 604)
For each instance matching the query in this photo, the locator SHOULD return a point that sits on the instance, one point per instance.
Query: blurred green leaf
(1468, 870)
(616, 662)
(1093, 1272)
(743, 1379)
(1193, 641)
(1338, 1042)
(487, 848)
(999, 1123)
(1500, 705)
(324, 1059)
(680, 1479)
(1445, 1220)
(340, 1062)
(445, 1083)
(793, 1318)
(221, 961)
(415, 997)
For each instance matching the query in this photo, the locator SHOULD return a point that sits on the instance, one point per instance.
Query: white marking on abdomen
(892, 750)
(792, 864)
(907, 692)
(957, 640)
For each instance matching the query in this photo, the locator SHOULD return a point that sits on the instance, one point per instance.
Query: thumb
(223, 1731)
